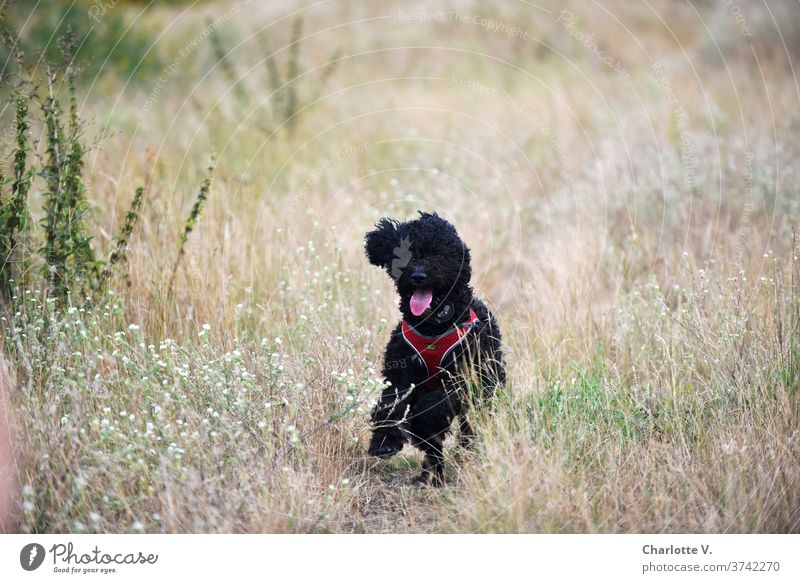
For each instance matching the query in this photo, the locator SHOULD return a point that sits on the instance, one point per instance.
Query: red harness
(433, 349)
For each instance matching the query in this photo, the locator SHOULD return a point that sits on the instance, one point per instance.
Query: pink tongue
(420, 301)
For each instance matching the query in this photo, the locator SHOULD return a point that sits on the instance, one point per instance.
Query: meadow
(625, 174)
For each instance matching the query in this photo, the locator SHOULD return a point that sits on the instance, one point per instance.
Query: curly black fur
(428, 254)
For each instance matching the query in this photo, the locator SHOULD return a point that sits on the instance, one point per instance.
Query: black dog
(447, 341)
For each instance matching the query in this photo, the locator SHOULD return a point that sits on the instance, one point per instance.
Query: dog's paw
(384, 452)
(426, 479)
(421, 480)
(466, 442)
(385, 446)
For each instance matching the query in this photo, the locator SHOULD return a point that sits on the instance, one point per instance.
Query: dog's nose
(418, 277)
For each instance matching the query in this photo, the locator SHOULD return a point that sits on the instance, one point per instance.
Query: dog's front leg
(387, 417)
(429, 421)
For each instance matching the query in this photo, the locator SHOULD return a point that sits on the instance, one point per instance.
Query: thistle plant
(69, 262)
(286, 101)
(118, 253)
(55, 245)
(13, 208)
(290, 107)
(69, 258)
(80, 250)
(191, 222)
(226, 64)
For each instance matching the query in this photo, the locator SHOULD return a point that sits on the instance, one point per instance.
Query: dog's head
(429, 263)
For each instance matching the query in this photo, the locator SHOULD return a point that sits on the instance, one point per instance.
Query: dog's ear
(380, 243)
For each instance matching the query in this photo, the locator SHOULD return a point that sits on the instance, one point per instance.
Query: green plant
(225, 62)
(13, 208)
(69, 262)
(286, 99)
(191, 222)
(69, 258)
(286, 102)
(106, 41)
(118, 253)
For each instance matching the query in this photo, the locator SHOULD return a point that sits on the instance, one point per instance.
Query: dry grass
(648, 294)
